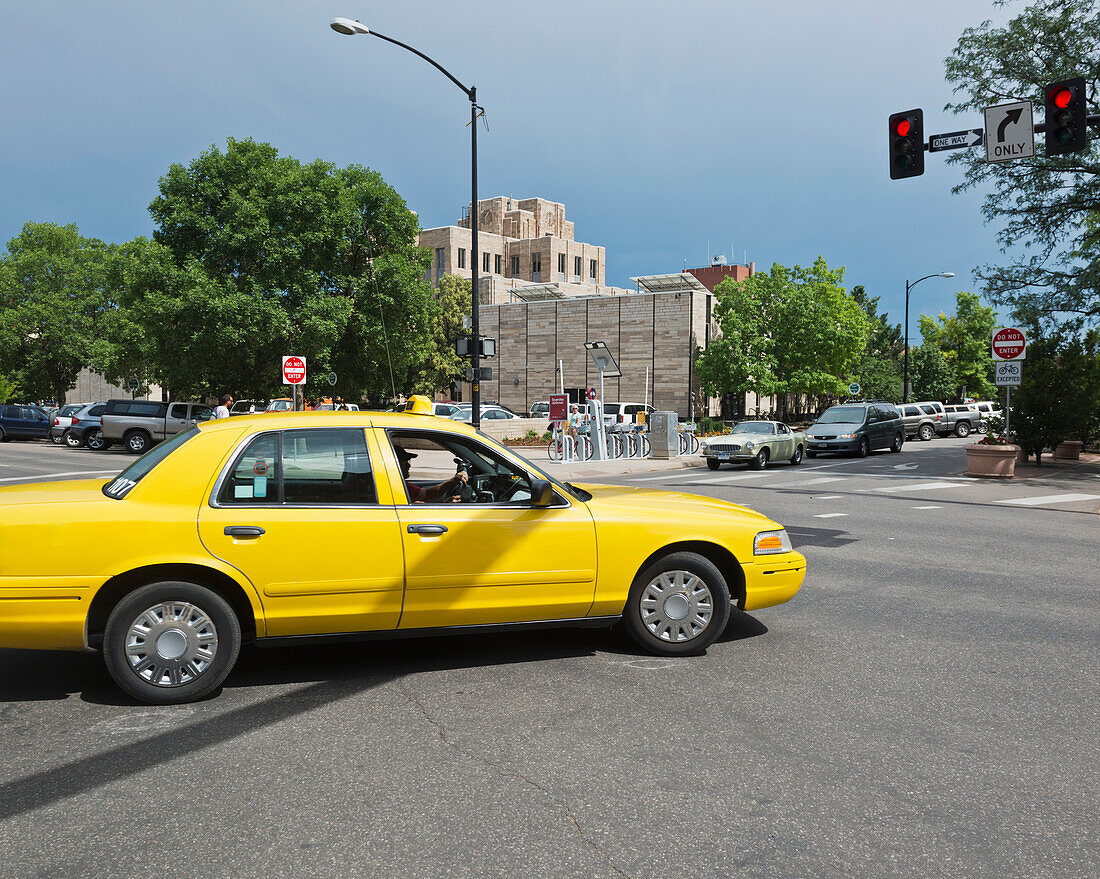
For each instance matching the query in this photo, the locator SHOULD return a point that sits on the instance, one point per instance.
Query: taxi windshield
(121, 485)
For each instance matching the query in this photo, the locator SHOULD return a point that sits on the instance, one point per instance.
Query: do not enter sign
(1009, 344)
(294, 370)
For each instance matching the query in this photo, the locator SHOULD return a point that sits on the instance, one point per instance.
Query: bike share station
(598, 441)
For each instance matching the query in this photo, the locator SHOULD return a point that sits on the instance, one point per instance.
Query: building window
(536, 263)
(592, 269)
(515, 267)
(462, 257)
(485, 263)
(577, 263)
(561, 263)
(439, 262)
(496, 264)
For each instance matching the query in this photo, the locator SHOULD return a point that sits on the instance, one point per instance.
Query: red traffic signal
(1066, 117)
(907, 144)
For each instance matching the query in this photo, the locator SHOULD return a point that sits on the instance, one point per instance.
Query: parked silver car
(61, 419)
(920, 420)
(139, 424)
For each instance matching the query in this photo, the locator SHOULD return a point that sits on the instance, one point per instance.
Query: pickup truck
(140, 424)
(963, 419)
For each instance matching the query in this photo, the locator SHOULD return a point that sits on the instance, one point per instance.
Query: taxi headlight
(748, 446)
(771, 542)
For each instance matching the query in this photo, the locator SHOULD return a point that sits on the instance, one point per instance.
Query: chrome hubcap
(171, 644)
(677, 606)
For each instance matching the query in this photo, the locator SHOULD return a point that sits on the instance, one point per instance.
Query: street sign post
(954, 140)
(294, 370)
(332, 379)
(853, 388)
(1008, 374)
(1011, 132)
(1009, 343)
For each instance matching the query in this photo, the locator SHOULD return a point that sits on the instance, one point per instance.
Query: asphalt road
(926, 706)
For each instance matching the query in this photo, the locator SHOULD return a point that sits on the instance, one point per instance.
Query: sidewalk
(588, 469)
(1087, 466)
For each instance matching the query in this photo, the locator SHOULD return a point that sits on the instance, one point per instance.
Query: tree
(53, 295)
(1040, 203)
(932, 375)
(8, 387)
(965, 339)
(442, 366)
(740, 360)
(258, 255)
(879, 369)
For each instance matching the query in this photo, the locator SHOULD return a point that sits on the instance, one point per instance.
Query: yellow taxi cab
(297, 527)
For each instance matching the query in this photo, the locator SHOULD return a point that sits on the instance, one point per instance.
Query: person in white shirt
(223, 410)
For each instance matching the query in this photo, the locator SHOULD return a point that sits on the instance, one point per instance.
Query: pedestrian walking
(223, 410)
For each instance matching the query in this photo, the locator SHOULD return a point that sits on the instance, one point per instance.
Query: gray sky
(757, 127)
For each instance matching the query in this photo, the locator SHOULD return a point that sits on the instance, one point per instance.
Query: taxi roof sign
(418, 404)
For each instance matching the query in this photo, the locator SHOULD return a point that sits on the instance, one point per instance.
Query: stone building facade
(522, 242)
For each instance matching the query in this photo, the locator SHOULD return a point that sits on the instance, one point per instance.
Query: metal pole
(905, 378)
(475, 396)
(1008, 413)
(561, 376)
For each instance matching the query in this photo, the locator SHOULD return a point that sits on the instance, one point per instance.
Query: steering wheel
(465, 492)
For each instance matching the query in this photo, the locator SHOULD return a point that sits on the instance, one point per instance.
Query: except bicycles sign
(1009, 343)
(294, 370)
(1008, 374)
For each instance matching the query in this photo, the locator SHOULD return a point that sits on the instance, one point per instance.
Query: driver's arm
(431, 493)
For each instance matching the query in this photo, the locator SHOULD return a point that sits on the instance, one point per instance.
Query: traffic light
(1066, 117)
(907, 144)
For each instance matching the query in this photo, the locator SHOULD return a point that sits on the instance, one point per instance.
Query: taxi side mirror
(542, 493)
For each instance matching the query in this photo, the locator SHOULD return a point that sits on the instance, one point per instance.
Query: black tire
(553, 450)
(926, 432)
(71, 440)
(811, 454)
(713, 463)
(94, 440)
(663, 627)
(898, 442)
(760, 461)
(137, 442)
(173, 611)
(3, 436)
(58, 439)
(796, 458)
(962, 429)
(863, 448)
(983, 428)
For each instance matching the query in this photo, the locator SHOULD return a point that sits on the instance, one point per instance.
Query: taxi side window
(323, 466)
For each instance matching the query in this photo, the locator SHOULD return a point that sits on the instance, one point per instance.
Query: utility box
(664, 437)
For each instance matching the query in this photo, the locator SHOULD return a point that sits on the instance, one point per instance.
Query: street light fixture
(350, 27)
(908, 287)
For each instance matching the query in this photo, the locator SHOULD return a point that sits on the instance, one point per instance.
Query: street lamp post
(908, 287)
(350, 27)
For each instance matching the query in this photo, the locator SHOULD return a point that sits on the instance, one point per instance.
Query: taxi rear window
(122, 484)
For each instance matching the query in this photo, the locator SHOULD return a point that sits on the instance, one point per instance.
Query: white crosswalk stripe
(1049, 499)
(920, 486)
(800, 482)
(927, 507)
(829, 515)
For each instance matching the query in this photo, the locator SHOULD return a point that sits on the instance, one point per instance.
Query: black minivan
(23, 422)
(857, 429)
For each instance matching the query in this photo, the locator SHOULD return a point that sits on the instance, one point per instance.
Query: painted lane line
(929, 507)
(72, 473)
(1050, 499)
(828, 497)
(920, 486)
(799, 482)
(829, 515)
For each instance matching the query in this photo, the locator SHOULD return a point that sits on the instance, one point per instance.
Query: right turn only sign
(1009, 132)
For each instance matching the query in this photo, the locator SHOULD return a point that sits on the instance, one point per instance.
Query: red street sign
(559, 407)
(591, 393)
(294, 370)
(1009, 344)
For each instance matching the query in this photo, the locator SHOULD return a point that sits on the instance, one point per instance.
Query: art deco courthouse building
(543, 296)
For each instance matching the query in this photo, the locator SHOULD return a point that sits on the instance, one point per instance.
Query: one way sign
(1010, 132)
(955, 140)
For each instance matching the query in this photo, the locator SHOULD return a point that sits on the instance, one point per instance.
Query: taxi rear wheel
(678, 605)
(172, 642)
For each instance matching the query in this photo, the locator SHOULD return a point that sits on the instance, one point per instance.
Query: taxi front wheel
(678, 605)
(171, 642)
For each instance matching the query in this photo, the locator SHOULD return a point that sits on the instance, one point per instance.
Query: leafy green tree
(931, 374)
(441, 365)
(258, 255)
(965, 338)
(53, 294)
(740, 360)
(1041, 204)
(879, 369)
(8, 387)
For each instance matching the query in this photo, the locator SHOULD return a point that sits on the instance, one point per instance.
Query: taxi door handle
(427, 529)
(243, 531)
